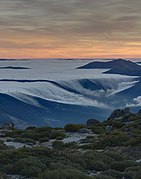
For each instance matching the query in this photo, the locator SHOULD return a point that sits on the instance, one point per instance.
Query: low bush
(114, 155)
(97, 165)
(55, 135)
(42, 140)
(133, 168)
(135, 142)
(58, 144)
(98, 129)
(112, 140)
(104, 177)
(113, 173)
(2, 146)
(122, 165)
(64, 174)
(115, 124)
(30, 166)
(73, 127)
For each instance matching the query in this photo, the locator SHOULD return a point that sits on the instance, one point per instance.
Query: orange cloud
(70, 29)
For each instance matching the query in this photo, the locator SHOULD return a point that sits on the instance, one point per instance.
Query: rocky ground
(98, 150)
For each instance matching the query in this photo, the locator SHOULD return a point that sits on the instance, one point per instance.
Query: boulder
(108, 129)
(85, 131)
(92, 122)
(7, 125)
(119, 113)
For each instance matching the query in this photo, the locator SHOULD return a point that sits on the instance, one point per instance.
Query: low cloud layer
(136, 102)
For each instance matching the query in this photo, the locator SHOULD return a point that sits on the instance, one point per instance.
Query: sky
(70, 28)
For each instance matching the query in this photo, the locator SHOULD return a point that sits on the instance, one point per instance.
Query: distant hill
(14, 68)
(119, 66)
(12, 59)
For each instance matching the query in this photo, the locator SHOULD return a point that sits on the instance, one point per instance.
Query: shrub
(45, 139)
(134, 168)
(122, 165)
(30, 166)
(9, 169)
(58, 144)
(1, 176)
(135, 142)
(138, 175)
(31, 128)
(2, 145)
(116, 124)
(133, 172)
(114, 155)
(55, 135)
(130, 175)
(71, 145)
(14, 133)
(43, 129)
(104, 177)
(97, 165)
(63, 174)
(73, 127)
(112, 140)
(59, 138)
(113, 173)
(98, 129)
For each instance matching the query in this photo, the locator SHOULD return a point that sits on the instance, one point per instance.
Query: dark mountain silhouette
(119, 66)
(14, 68)
(11, 59)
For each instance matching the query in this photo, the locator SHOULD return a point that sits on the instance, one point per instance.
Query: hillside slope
(119, 66)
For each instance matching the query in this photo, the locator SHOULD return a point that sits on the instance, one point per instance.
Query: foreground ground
(98, 150)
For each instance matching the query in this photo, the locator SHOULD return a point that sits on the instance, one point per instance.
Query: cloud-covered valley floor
(54, 92)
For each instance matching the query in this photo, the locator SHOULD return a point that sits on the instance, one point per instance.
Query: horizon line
(69, 58)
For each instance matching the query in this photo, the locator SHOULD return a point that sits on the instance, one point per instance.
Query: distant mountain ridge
(118, 66)
(11, 59)
(14, 68)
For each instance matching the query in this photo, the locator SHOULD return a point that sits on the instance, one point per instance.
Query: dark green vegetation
(33, 134)
(110, 154)
(73, 127)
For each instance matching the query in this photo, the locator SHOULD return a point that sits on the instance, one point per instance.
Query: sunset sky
(70, 28)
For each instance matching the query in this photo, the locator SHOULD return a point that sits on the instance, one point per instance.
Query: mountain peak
(117, 66)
